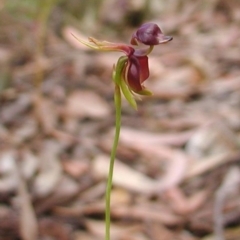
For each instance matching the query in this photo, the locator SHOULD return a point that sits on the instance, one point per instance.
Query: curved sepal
(106, 46)
(118, 69)
(145, 92)
(128, 94)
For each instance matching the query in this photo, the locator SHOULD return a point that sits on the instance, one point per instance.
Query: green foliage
(28, 9)
(23, 10)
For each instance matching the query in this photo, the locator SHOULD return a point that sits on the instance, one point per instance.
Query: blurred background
(177, 173)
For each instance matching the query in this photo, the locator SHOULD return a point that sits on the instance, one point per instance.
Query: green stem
(117, 101)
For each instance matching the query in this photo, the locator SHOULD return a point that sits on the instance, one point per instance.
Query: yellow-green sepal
(145, 92)
(118, 70)
(128, 94)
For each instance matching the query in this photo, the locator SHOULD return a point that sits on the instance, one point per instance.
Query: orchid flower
(129, 75)
(132, 69)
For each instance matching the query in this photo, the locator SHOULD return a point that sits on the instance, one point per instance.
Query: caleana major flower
(132, 69)
(129, 74)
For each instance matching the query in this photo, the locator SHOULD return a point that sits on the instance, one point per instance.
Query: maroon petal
(144, 69)
(149, 34)
(132, 74)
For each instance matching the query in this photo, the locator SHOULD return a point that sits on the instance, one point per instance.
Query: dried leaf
(87, 104)
(229, 187)
(132, 180)
(28, 219)
(8, 180)
(46, 113)
(117, 231)
(75, 168)
(207, 164)
(10, 113)
(148, 138)
(176, 160)
(182, 204)
(29, 164)
(213, 138)
(152, 213)
(50, 170)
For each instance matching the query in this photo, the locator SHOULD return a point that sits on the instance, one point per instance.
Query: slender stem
(117, 101)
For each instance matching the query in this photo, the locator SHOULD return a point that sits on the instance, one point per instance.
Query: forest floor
(177, 172)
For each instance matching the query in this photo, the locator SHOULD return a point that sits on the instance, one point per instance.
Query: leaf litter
(177, 167)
